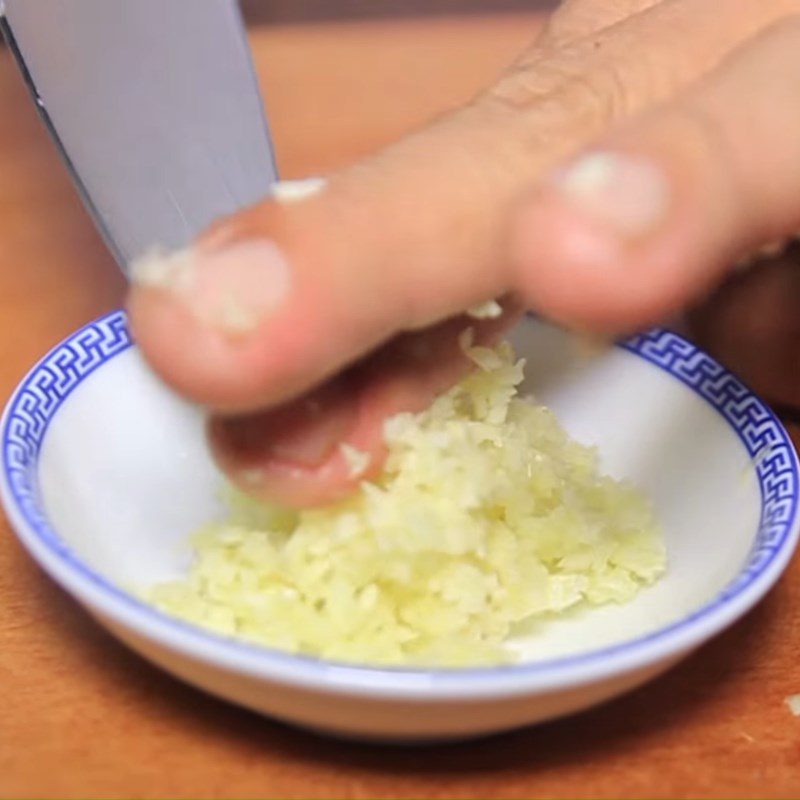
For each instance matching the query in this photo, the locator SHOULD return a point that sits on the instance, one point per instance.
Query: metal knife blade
(154, 106)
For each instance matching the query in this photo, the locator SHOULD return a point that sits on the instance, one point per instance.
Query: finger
(652, 217)
(284, 295)
(752, 325)
(294, 455)
(637, 60)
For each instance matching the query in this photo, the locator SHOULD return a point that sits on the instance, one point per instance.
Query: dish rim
(50, 382)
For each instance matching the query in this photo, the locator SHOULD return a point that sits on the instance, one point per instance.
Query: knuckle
(788, 24)
(700, 133)
(776, 18)
(576, 19)
(710, 147)
(575, 87)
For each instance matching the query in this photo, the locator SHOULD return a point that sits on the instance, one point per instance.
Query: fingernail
(306, 432)
(627, 194)
(232, 289)
(295, 191)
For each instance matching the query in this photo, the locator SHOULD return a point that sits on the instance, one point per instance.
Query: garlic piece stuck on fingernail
(491, 309)
(158, 269)
(295, 191)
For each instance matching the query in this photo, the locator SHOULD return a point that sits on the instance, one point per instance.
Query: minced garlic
(486, 517)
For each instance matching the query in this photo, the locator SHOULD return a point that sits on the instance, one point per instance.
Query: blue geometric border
(38, 399)
(759, 429)
(50, 383)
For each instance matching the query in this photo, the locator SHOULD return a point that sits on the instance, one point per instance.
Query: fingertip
(318, 448)
(193, 360)
(295, 486)
(231, 328)
(610, 245)
(321, 479)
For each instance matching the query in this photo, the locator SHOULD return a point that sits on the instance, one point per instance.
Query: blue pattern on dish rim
(53, 379)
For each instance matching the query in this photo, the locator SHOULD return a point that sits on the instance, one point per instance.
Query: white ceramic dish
(105, 473)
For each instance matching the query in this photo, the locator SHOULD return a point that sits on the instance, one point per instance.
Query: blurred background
(294, 11)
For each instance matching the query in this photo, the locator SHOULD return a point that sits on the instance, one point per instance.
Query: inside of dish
(486, 521)
(126, 480)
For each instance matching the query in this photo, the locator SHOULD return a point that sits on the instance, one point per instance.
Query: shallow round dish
(105, 473)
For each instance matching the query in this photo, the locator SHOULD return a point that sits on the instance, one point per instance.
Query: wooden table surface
(82, 717)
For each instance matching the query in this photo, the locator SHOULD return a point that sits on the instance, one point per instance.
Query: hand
(609, 178)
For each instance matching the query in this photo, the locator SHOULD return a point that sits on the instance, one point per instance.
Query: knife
(154, 107)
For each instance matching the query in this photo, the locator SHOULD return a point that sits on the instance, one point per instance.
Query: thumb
(277, 298)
